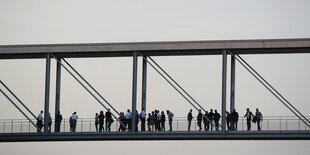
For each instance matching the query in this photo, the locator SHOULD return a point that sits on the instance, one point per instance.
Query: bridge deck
(172, 135)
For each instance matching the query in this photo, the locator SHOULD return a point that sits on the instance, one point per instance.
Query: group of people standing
(40, 124)
(231, 119)
(156, 120)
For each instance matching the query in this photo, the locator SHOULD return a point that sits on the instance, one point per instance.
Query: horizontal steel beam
(173, 135)
(169, 48)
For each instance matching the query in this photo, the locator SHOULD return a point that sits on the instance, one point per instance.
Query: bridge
(146, 50)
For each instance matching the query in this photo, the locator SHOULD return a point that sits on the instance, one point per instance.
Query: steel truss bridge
(146, 50)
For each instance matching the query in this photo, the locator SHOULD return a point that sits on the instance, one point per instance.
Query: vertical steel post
(58, 80)
(144, 78)
(232, 84)
(134, 91)
(224, 77)
(47, 92)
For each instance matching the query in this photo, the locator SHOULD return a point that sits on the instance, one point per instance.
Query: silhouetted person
(96, 122)
(189, 119)
(162, 121)
(210, 117)
(158, 119)
(58, 119)
(108, 120)
(149, 122)
(137, 120)
(216, 118)
(248, 116)
(259, 117)
(205, 121)
(235, 118)
(123, 121)
(71, 123)
(228, 120)
(40, 121)
(170, 116)
(142, 119)
(101, 121)
(74, 121)
(199, 119)
(153, 120)
(128, 117)
(49, 121)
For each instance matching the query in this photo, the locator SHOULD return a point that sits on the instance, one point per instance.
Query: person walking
(142, 119)
(96, 121)
(206, 121)
(40, 121)
(58, 119)
(216, 118)
(74, 121)
(210, 116)
(259, 118)
(248, 116)
(162, 121)
(235, 118)
(189, 119)
(49, 121)
(170, 116)
(199, 119)
(108, 120)
(101, 121)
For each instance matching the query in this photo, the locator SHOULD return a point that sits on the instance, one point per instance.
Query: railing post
(29, 126)
(57, 97)
(3, 127)
(12, 127)
(21, 127)
(280, 124)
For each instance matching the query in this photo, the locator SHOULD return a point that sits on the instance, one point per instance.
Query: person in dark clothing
(259, 118)
(210, 117)
(96, 122)
(235, 118)
(248, 116)
(149, 122)
(157, 120)
(58, 119)
(216, 118)
(205, 121)
(189, 119)
(40, 121)
(152, 121)
(108, 120)
(122, 127)
(71, 123)
(199, 119)
(228, 120)
(101, 121)
(137, 120)
(162, 121)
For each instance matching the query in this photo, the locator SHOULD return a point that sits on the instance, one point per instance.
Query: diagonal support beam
(172, 84)
(305, 120)
(87, 89)
(20, 110)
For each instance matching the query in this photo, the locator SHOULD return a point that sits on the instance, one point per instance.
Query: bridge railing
(269, 123)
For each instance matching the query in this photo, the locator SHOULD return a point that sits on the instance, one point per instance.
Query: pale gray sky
(76, 21)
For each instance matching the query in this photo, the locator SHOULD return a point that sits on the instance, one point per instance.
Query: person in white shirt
(128, 117)
(74, 120)
(40, 121)
(142, 118)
